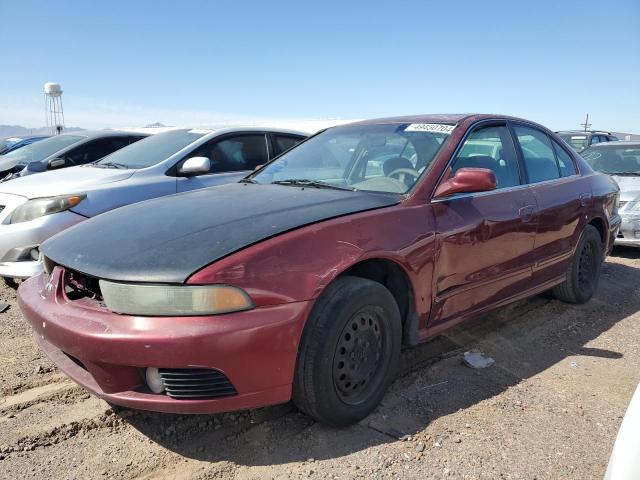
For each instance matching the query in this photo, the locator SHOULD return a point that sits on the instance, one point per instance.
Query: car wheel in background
(349, 352)
(583, 273)
(11, 282)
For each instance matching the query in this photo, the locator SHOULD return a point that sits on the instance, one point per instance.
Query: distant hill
(18, 130)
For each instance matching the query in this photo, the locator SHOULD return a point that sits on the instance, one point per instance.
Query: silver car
(66, 150)
(34, 208)
(621, 160)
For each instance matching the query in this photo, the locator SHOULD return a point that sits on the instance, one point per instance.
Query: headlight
(39, 207)
(173, 300)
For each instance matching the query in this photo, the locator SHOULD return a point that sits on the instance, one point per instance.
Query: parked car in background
(37, 207)
(66, 150)
(304, 279)
(621, 160)
(13, 143)
(580, 139)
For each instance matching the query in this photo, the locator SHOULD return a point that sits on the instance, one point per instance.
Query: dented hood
(167, 239)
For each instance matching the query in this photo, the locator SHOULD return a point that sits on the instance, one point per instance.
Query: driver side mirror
(467, 180)
(194, 166)
(57, 162)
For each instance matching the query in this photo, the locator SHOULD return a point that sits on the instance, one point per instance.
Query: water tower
(53, 107)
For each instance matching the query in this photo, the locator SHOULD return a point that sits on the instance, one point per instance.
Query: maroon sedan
(305, 280)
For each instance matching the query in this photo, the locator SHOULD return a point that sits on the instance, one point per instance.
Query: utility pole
(586, 123)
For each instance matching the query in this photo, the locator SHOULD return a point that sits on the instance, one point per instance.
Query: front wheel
(349, 352)
(583, 273)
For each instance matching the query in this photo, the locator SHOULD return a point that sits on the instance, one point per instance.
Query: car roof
(444, 118)
(623, 143)
(597, 132)
(427, 118)
(23, 137)
(102, 133)
(243, 128)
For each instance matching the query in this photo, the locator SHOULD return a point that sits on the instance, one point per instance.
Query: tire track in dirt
(29, 396)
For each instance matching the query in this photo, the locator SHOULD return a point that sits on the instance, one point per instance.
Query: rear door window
(492, 148)
(537, 154)
(235, 154)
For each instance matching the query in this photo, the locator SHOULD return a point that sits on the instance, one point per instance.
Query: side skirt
(436, 330)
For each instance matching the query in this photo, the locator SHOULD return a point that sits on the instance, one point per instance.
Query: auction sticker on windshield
(430, 127)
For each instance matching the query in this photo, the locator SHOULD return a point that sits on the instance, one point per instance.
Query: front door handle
(526, 212)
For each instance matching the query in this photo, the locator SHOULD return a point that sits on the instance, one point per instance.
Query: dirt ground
(550, 407)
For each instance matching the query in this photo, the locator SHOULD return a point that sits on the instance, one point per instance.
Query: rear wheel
(583, 273)
(349, 352)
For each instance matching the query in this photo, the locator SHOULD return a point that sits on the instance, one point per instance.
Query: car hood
(167, 239)
(62, 182)
(629, 185)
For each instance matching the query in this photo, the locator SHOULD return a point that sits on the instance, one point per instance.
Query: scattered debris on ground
(477, 359)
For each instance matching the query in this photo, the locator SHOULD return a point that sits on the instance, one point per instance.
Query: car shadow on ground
(524, 339)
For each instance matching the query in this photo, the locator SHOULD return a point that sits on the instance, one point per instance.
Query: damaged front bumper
(629, 234)
(108, 353)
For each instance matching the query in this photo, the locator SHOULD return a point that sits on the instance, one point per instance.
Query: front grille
(195, 383)
(79, 285)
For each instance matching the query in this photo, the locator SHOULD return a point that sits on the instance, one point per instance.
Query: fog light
(34, 253)
(154, 382)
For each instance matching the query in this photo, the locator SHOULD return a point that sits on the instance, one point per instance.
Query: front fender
(298, 265)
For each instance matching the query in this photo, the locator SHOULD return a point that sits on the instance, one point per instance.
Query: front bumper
(106, 352)
(629, 234)
(21, 237)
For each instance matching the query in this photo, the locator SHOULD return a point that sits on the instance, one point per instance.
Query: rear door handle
(526, 212)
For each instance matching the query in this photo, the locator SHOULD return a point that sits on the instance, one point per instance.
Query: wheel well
(598, 223)
(393, 277)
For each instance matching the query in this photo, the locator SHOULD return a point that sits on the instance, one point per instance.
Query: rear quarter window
(282, 143)
(565, 162)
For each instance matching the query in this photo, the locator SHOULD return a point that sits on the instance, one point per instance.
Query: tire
(349, 352)
(11, 282)
(583, 273)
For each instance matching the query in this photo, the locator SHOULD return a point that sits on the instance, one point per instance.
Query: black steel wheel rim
(586, 268)
(359, 356)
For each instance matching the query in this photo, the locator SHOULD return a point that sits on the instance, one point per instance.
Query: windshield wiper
(301, 182)
(111, 165)
(247, 180)
(622, 174)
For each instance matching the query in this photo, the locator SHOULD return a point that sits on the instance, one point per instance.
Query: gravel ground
(549, 408)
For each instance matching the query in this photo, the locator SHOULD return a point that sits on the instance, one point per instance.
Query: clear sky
(126, 63)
